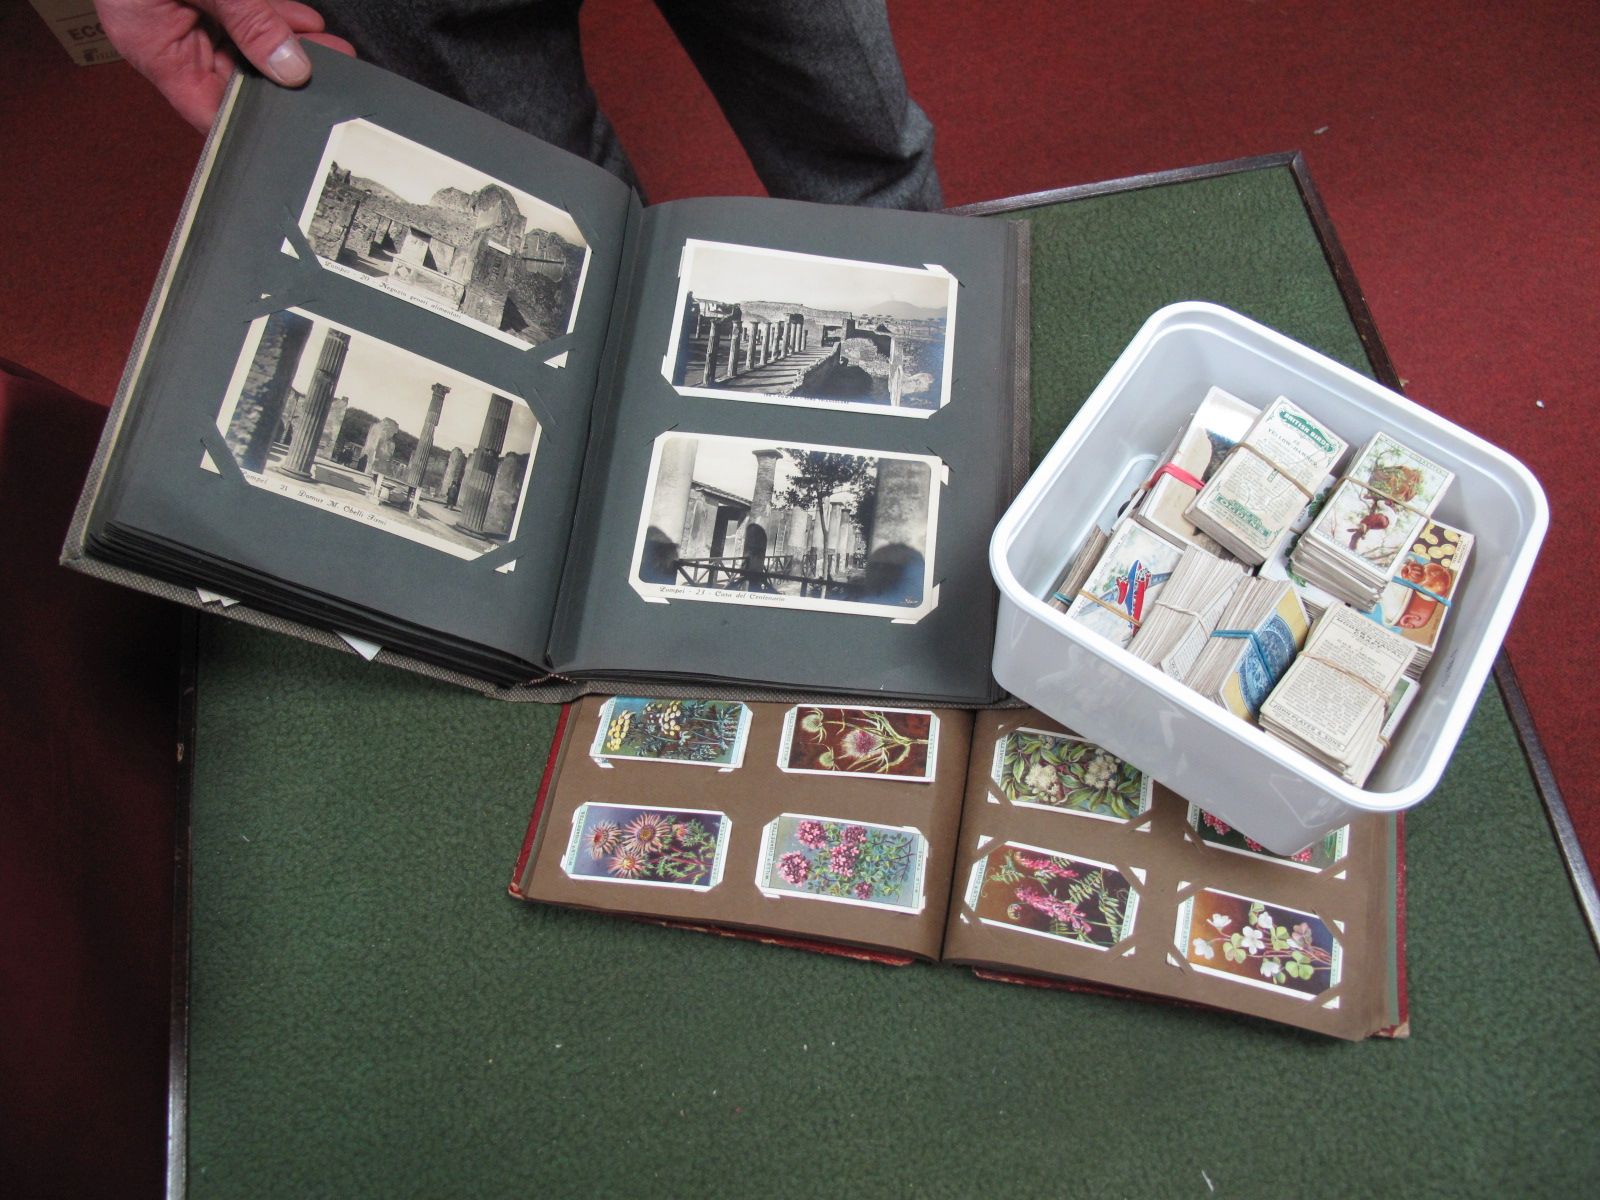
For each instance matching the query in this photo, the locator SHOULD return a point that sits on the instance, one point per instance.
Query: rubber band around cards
(1298, 486)
(1379, 492)
(1177, 472)
(1348, 674)
(1112, 608)
(1418, 588)
(1185, 612)
(1255, 644)
(1422, 560)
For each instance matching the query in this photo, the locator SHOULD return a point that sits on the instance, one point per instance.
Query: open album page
(814, 820)
(807, 441)
(369, 378)
(1074, 865)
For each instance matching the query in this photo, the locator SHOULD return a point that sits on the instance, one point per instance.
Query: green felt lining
(371, 1014)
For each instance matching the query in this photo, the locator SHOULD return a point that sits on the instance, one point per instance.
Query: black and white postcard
(369, 432)
(787, 525)
(398, 216)
(776, 327)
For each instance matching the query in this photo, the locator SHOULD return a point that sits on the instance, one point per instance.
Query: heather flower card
(845, 862)
(1214, 831)
(1053, 895)
(1259, 944)
(877, 743)
(658, 847)
(706, 733)
(1036, 769)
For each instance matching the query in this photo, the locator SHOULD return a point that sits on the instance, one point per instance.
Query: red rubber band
(1177, 473)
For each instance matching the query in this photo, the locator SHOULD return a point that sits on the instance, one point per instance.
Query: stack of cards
(1277, 567)
(1370, 521)
(1394, 710)
(1332, 702)
(1418, 597)
(1124, 582)
(1265, 482)
(1251, 647)
(1178, 625)
(1244, 540)
(1078, 567)
(1417, 600)
(1200, 448)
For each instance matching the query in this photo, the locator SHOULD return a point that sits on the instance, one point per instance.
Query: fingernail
(288, 64)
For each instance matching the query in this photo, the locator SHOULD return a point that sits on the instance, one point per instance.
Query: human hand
(186, 47)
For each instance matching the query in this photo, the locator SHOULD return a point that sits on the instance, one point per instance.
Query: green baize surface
(372, 1015)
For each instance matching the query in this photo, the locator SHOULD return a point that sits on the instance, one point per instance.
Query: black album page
(800, 451)
(366, 382)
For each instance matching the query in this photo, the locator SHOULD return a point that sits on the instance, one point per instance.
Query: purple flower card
(1259, 944)
(876, 743)
(658, 847)
(845, 862)
(1214, 831)
(1053, 895)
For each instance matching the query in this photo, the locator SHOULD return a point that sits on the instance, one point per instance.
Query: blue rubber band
(1255, 643)
(1417, 587)
(1423, 561)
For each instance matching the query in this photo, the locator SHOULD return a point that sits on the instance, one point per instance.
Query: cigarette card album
(996, 840)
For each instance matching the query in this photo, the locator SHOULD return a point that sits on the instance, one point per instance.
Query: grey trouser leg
(815, 92)
(813, 88)
(516, 60)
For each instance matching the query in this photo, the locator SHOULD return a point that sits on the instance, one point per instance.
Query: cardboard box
(77, 27)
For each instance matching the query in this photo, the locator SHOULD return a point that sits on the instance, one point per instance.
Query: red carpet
(1457, 147)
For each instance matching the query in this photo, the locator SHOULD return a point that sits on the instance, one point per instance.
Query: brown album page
(824, 822)
(1072, 866)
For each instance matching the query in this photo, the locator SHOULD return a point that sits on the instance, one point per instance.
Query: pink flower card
(1214, 831)
(845, 862)
(1052, 895)
(655, 847)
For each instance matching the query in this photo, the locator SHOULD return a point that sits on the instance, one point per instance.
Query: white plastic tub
(1206, 754)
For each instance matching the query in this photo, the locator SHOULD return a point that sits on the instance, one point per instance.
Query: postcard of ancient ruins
(395, 215)
(786, 525)
(368, 432)
(776, 327)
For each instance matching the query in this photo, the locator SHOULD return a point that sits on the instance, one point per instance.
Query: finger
(195, 96)
(264, 37)
(302, 18)
(193, 76)
(308, 23)
(332, 43)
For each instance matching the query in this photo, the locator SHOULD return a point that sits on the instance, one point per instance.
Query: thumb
(264, 37)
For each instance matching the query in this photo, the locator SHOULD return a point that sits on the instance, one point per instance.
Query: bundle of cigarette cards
(1301, 598)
